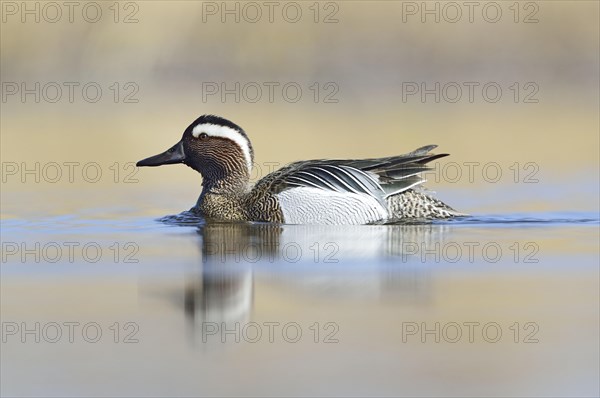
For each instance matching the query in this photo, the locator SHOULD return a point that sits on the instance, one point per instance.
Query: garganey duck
(360, 191)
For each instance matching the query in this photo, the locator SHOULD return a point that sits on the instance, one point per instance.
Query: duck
(323, 191)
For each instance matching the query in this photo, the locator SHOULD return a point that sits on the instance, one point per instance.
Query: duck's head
(211, 145)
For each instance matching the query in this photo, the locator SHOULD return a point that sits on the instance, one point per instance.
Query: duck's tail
(414, 204)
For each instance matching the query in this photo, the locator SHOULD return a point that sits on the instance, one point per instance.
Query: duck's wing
(396, 174)
(330, 176)
(379, 177)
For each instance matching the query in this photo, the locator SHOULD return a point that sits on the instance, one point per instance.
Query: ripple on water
(187, 218)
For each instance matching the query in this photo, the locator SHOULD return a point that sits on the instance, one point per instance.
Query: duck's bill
(173, 155)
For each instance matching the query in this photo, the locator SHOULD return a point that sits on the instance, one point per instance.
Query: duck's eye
(203, 136)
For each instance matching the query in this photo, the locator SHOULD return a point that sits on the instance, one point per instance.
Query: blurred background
(509, 89)
(362, 59)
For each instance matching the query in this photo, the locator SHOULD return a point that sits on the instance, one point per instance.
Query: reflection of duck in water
(249, 243)
(335, 261)
(306, 192)
(223, 292)
(220, 296)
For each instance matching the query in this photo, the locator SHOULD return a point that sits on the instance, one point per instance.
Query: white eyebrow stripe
(214, 130)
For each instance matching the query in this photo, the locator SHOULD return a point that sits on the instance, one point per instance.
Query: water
(488, 304)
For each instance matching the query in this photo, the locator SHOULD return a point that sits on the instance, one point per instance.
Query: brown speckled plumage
(413, 204)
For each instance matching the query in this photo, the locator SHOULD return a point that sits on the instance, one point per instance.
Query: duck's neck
(229, 182)
(222, 195)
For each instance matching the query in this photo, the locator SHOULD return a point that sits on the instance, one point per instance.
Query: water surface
(489, 303)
